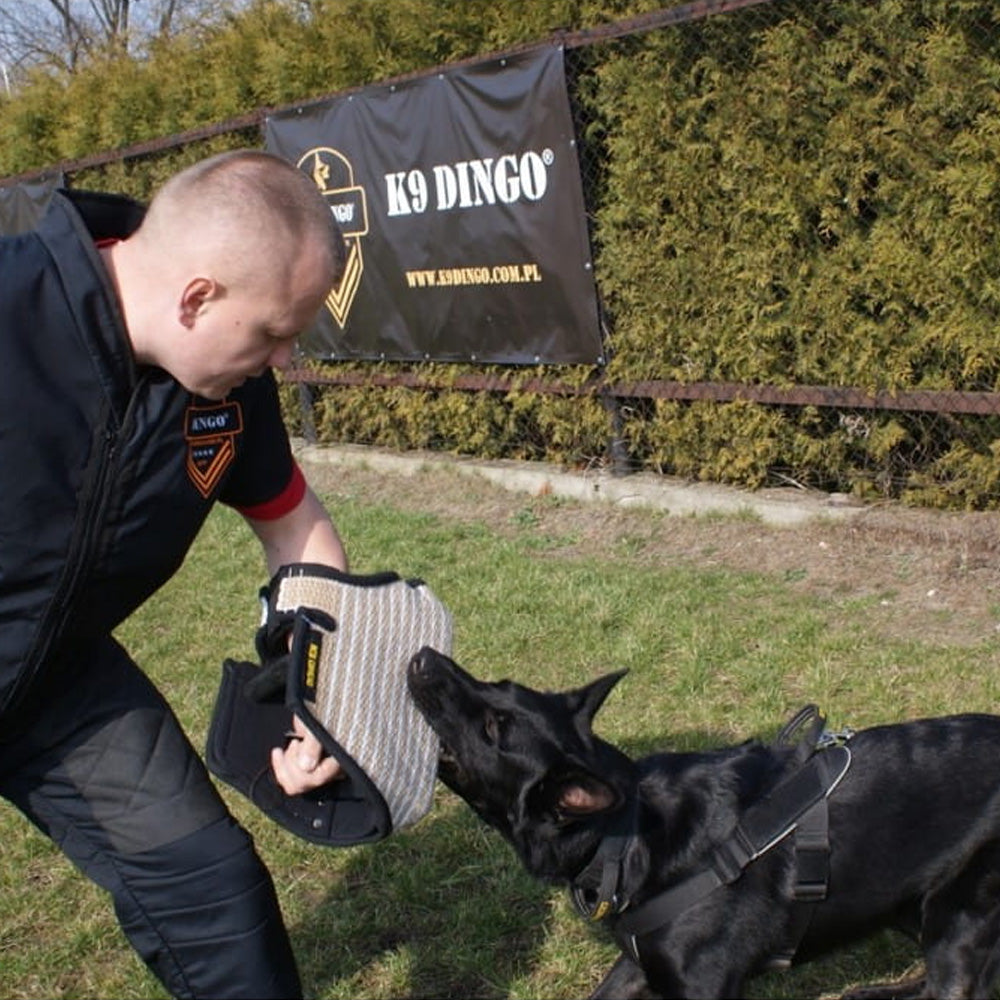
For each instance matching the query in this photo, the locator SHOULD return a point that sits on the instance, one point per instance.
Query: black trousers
(105, 771)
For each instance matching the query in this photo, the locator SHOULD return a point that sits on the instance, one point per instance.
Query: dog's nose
(421, 660)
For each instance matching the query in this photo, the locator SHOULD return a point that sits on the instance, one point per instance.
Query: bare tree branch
(59, 35)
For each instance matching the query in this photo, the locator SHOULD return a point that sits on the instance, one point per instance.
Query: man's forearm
(306, 534)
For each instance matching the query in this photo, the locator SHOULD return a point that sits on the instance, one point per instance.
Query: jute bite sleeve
(334, 648)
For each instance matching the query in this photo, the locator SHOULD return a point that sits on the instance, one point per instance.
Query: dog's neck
(599, 887)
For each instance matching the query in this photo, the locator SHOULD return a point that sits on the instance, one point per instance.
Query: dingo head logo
(333, 175)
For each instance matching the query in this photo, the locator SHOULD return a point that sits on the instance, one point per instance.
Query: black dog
(709, 867)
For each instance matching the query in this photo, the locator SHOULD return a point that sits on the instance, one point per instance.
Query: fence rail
(913, 401)
(934, 418)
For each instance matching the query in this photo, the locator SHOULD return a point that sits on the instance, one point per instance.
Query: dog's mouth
(449, 765)
(429, 709)
(424, 680)
(448, 761)
(449, 768)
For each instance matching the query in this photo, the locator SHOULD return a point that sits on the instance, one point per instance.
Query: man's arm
(305, 534)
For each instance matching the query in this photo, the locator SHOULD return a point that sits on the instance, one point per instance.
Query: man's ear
(197, 292)
(584, 794)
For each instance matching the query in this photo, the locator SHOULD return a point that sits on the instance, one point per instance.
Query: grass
(444, 909)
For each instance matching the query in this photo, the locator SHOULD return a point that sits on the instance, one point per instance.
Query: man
(135, 391)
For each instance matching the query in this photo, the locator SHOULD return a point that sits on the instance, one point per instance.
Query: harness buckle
(810, 892)
(590, 906)
(733, 855)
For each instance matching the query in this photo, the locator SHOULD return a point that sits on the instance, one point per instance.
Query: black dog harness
(797, 804)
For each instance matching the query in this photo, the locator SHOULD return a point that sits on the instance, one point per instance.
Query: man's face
(240, 332)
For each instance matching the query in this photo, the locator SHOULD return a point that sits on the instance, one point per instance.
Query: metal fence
(931, 421)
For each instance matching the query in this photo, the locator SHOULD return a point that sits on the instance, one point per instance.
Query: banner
(22, 205)
(460, 198)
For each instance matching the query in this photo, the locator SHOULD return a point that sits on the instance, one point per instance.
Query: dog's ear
(584, 702)
(584, 794)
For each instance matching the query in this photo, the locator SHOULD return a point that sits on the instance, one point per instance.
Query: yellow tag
(311, 666)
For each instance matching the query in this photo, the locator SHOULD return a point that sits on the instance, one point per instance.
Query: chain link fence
(871, 130)
(794, 208)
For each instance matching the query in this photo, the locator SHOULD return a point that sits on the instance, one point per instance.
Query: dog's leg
(624, 981)
(989, 974)
(966, 963)
(961, 928)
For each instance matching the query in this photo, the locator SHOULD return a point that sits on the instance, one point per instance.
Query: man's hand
(302, 766)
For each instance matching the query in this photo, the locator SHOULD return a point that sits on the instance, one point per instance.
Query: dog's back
(919, 806)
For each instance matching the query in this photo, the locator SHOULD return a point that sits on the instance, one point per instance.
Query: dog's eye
(493, 723)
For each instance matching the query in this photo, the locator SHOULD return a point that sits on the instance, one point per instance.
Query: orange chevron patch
(210, 432)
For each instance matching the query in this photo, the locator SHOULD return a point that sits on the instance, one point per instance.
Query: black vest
(107, 471)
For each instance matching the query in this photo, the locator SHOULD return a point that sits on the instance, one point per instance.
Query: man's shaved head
(247, 212)
(234, 259)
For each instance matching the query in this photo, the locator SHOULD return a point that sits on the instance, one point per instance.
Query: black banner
(460, 198)
(22, 205)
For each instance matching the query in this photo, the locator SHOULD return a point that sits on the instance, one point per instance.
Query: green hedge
(794, 193)
(815, 203)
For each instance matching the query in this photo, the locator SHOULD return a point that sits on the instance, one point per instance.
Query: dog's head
(527, 761)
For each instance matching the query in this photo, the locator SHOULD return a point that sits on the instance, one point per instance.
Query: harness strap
(812, 853)
(764, 824)
(812, 875)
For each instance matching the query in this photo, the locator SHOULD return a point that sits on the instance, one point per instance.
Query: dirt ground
(910, 570)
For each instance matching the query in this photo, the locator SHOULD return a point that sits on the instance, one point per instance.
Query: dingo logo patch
(333, 174)
(210, 432)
